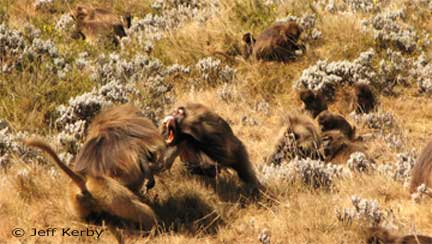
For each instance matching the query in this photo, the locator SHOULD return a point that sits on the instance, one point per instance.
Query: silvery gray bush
(349, 6)
(386, 127)
(390, 30)
(228, 93)
(18, 47)
(138, 68)
(65, 23)
(74, 118)
(171, 15)
(11, 144)
(86, 106)
(378, 120)
(314, 173)
(394, 140)
(325, 76)
(422, 73)
(359, 162)
(116, 92)
(393, 70)
(401, 170)
(82, 61)
(71, 138)
(318, 174)
(12, 45)
(361, 5)
(177, 69)
(212, 71)
(83, 107)
(364, 209)
(43, 4)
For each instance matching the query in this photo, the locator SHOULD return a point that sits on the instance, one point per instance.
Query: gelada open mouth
(170, 126)
(170, 136)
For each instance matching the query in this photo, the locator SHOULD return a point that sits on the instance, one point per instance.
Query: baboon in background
(276, 43)
(422, 171)
(300, 138)
(363, 99)
(381, 236)
(330, 121)
(95, 22)
(313, 102)
(121, 151)
(203, 140)
(337, 148)
(249, 41)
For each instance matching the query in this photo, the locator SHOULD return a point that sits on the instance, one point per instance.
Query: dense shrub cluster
(227, 93)
(361, 5)
(349, 6)
(171, 15)
(12, 45)
(390, 31)
(74, 118)
(65, 23)
(393, 70)
(422, 73)
(358, 162)
(212, 71)
(43, 4)
(11, 145)
(378, 120)
(401, 170)
(325, 76)
(28, 48)
(364, 210)
(314, 173)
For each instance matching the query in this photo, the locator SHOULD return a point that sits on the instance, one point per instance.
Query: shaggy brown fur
(121, 143)
(98, 195)
(363, 99)
(382, 236)
(276, 43)
(330, 121)
(422, 171)
(204, 139)
(337, 148)
(122, 150)
(313, 102)
(92, 23)
(300, 138)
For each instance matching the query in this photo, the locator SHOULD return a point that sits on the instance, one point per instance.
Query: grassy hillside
(180, 51)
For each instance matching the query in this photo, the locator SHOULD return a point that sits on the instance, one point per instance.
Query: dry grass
(196, 210)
